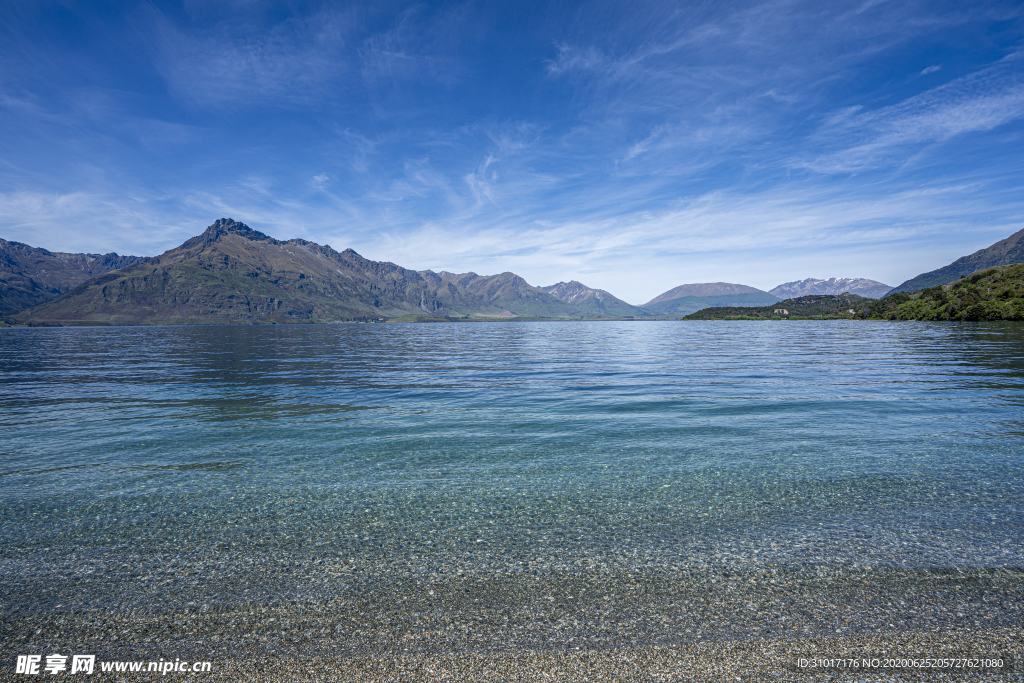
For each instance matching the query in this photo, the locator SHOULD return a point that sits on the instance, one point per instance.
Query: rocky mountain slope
(1002, 253)
(30, 275)
(513, 294)
(597, 301)
(234, 274)
(871, 289)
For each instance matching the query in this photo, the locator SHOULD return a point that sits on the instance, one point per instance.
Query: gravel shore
(750, 660)
(372, 625)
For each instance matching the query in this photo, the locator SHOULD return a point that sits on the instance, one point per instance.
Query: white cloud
(761, 240)
(94, 223)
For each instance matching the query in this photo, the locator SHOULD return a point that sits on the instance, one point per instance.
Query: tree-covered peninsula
(811, 307)
(995, 293)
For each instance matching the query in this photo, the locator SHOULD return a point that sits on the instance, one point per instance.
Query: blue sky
(631, 146)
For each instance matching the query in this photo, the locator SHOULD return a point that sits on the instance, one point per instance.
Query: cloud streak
(978, 102)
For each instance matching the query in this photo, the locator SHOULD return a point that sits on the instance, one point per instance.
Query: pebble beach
(693, 624)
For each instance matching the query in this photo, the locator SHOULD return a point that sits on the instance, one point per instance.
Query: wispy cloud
(94, 223)
(230, 63)
(418, 45)
(722, 221)
(978, 102)
(573, 58)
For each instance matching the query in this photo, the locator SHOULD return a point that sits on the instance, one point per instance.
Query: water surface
(179, 467)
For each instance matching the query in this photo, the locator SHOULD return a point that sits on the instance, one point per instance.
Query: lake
(342, 488)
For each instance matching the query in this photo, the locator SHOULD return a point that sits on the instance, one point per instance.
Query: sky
(631, 146)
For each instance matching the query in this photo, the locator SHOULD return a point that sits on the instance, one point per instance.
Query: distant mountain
(596, 300)
(1002, 253)
(685, 305)
(704, 289)
(511, 293)
(995, 293)
(834, 285)
(686, 299)
(30, 275)
(234, 274)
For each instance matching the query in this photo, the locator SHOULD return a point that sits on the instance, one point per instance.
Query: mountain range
(870, 289)
(233, 274)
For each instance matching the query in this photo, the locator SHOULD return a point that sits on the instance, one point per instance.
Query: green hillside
(995, 293)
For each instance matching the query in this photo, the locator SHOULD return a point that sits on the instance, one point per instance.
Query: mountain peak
(226, 226)
(576, 293)
(573, 291)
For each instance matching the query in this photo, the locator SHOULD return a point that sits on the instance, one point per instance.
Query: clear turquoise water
(483, 446)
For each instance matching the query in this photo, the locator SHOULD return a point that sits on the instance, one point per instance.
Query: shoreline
(891, 656)
(378, 624)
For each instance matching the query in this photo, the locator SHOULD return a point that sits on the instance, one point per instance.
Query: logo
(55, 663)
(34, 665)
